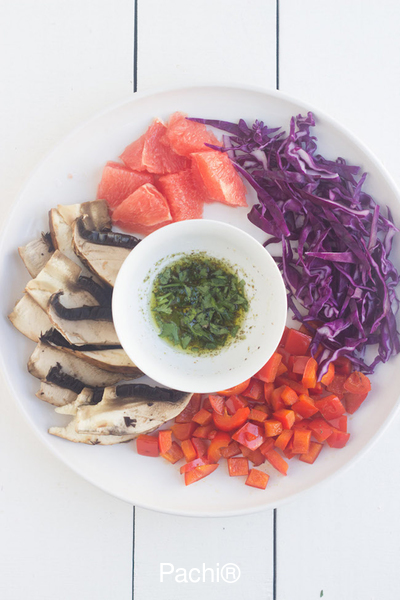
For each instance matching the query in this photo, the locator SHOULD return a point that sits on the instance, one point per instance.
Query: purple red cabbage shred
(335, 240)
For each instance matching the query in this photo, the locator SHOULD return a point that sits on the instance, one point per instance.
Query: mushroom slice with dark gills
(36, 254)
(45, 357)
(29, 318)
(55, 395)
(130, 409)
(102, 252)
(109, 358)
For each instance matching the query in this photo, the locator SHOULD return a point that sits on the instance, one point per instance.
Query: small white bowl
(173, 367)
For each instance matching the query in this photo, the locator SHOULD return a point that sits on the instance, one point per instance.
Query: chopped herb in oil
(198, 303)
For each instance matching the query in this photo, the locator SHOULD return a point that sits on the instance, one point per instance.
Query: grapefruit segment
(186, 136)
(148, 153)
(132, 155)
(184, 197)
(220, 178)
(143, 211)
(118, 182)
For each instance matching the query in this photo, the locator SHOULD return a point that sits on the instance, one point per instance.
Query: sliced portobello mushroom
(132, 409)
(69, 433)
(82, 324)
(36, 254)
(102, 252)
(85, 397)
(109, 358)
(29, 318)
(59, 274)
(96, 212)
(55, 395)
(61, 235)
(45, 357)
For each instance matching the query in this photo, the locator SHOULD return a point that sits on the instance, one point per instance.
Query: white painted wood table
(61, 538)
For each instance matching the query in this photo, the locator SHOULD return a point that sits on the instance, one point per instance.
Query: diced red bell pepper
(165, 440)
(250, 435)
(237, 389)
(174, 453)
(312, 453)
(305, 406)
(317, 390)
(301, 441)
(338, 439)
(255, 390)
(221, 440)
(188, 450)
(233, 403)
(201, 446)
(285, 416)
(337, 385)
(289, 396)
(238, 466)
(256, 456)
(302, 424)
(295, 385)
(357, 383)
(147, 445)
(299, 364)
(353, 401)
(329, 375)
(276, 401)
(289, 454)
(257, 479)
(257, 415)
(183, 431)
(277, 461)
(283, 439)
(321, 430)
(339, 423)
(268, 389)
(270, 369)
(229, 422)
(330, 407)
(203, 431)
(231, 450)
(267, 446)
(217, 403)
(285, 355)
(297, 343)
(197, 462)
(203, 417)
(190, 410)
(343, 365)
(281, 369)
(309, 379)
(198, 473)
(273, 427)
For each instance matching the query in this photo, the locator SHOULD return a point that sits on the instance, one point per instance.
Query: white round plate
(70, 175)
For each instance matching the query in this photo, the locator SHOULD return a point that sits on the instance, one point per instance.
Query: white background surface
(60, 62)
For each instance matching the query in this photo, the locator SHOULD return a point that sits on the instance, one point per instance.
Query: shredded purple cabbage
(334, 238)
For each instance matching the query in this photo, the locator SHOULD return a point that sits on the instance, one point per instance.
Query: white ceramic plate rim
(43, 436)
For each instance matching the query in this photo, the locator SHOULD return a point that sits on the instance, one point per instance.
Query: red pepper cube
(276, 460)
(255, 390)
(353, 401)
(197, 462)
(289, 396)
(330, 407)
(250, 435)
(231, 450)
(165, 440)
(233, 403)
(188, 450)
(255, 456)
(147, 445)
(298, 364)
(301, 441)
(305, 406)
(270, 369)
(266, 446)
(295, 385)
(336, 386)
(221, 440)
(217, 403)
(257, 479)
(174, 453)
(190, 410)
(201, 446)
(283, 439)
(238, 466)
(203, 417)
(203, 431)
(343, 366)
(286, 417)
(329, 375)
(273, 427)
(320, 429)
(339, 423)
(183, 431)
(338, 439)
(357, 383)
(268, 389)
(309, 379)
(276, 399)
(199, 473)
(313, 452)
(297, 343)
(257, 415)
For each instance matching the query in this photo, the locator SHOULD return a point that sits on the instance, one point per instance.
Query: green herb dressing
(199, 303)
